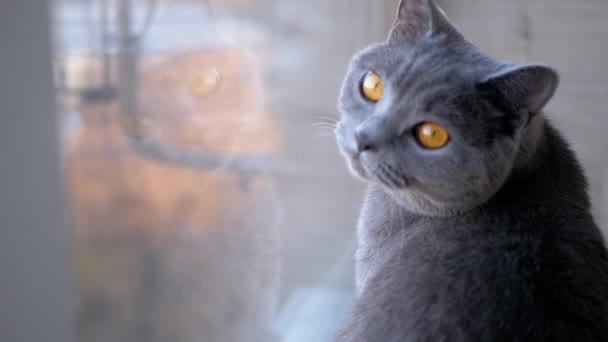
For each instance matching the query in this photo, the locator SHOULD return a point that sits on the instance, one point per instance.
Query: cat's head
(432, 120)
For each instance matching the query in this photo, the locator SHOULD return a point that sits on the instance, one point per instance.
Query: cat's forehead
(429, 59)
(382, 57)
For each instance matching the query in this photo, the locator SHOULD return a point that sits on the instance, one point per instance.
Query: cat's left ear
(420, 17)
(526, 88)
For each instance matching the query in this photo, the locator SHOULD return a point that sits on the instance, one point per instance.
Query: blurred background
(205, 198)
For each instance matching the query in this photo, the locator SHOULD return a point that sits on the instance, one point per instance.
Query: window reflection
(177, 130)
(173, 242)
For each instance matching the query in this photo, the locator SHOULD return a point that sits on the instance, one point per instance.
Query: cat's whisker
(325, 127)
(327, 118)
(325, 123)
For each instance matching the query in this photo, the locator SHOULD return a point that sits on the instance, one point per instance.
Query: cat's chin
(408, 197)
(416, 201)
(356, 168)
(353, 161)
(405, 196)
(371, 176)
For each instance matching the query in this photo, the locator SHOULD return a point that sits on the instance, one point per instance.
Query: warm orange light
(205, 82)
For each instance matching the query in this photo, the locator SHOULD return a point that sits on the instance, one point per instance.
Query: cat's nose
(373, 133)
(364, 142)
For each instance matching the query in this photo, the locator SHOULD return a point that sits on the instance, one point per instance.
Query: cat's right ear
(528, 87)
(420, 17)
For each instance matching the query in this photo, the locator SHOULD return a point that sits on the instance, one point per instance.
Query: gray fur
(487, 239)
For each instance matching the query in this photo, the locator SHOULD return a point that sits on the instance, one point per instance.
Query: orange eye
(372, 87)
(432, 135)
(205, 82)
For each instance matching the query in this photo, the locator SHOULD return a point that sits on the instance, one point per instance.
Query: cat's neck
(546, 171)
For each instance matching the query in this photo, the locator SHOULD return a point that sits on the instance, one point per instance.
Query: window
(207, 198)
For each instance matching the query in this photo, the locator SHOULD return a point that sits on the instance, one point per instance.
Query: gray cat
(477, 223)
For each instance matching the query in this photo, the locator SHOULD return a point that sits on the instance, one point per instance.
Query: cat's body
(488, 237)
(503, 273)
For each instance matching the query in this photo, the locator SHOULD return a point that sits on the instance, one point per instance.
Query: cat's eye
(372, 87)
(205, 82)
(432, 136)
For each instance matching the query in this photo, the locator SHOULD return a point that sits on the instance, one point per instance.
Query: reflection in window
(183, 153)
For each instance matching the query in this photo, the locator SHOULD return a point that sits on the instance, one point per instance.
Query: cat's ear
(528, 87)
(420, 17)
